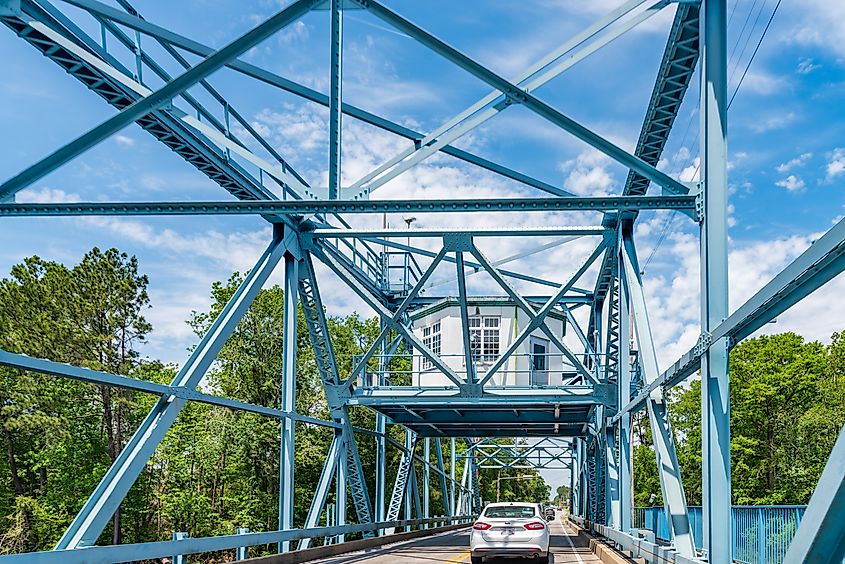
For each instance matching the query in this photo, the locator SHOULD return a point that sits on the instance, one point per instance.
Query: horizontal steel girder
(188, 45)
(443, 231)
(306, 207)
(24, 362)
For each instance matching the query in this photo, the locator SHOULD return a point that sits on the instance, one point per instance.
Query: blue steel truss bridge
(508, 404)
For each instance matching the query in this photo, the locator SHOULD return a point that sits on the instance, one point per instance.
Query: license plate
(507, 531)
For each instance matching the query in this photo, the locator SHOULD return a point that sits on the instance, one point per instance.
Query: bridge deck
(453, 548)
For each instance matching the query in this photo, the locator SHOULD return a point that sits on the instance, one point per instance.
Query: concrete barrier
(317, 552)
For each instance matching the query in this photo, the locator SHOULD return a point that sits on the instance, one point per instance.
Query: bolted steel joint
(699, 206)
(703, 343)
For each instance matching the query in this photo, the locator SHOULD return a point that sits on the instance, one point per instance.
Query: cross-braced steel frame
(583, 425)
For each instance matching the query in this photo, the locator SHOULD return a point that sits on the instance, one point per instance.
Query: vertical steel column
(335, 98)
(288, 399)
(426, 503)
(452, 501)
(626, 489)
(409, 446)
(715, 385)
(444, 487)
(573, 467)
(381, 443)
(582, 479)
(611, 495)
(340, 486)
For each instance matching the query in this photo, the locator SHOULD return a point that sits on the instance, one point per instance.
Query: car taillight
(481, 526)
(534, 526)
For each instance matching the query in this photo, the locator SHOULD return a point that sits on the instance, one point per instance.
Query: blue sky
(787, 145)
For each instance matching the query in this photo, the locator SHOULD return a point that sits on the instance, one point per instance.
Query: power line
(748, 66)
(671, 217)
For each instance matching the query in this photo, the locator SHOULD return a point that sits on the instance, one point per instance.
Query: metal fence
(760, 534)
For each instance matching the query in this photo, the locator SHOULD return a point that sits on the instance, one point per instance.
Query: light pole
(499, 483)
(408, 221)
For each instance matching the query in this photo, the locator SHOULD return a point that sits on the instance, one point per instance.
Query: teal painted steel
(593, 406)
(760, 534)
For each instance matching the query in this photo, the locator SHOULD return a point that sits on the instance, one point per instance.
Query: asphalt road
(453, 548)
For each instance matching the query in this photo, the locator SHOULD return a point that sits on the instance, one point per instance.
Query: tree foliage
(787, 408)
(216, 469)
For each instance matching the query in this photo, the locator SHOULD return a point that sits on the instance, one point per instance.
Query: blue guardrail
(760, 533)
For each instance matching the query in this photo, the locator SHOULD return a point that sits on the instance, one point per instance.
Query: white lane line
(574, 551)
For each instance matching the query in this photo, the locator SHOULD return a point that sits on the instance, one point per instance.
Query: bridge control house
(494, 324)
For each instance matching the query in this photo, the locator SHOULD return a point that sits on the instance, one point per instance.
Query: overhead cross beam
(155, 99)
(547, 68)
(521, 96)
(310, 207)
(173, 39)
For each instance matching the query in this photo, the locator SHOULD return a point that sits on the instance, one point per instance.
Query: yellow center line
(459, 558)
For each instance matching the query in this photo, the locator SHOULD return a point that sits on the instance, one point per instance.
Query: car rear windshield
(510, 511)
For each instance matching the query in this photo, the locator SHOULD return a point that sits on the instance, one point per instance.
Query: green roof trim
(452, 301)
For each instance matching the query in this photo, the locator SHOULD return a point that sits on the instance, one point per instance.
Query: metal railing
(760, 534)
(182, 544)
(401, 271)
(417, 371)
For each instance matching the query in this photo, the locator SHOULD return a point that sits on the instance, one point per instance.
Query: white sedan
(510, 529)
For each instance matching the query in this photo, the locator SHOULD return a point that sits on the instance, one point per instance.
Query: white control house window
(484, 337)
(431, 339)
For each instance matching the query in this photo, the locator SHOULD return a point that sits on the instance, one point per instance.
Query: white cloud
(296, 33)
(818, 23)
(45, 196)
(692, 173)
(793, 163)
(792, 183)
(588, 175)
(672, 287)
(759, 82)
(806, 66)
(772, 122)
(836, 165)
(124, 141)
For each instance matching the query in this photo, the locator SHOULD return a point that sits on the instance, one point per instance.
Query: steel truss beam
(812, 269)
(541, 314)
(448, 231)
(164, 127)
(673, 78)
(550, 66)
(531, 312)
(308, 207)
(344, 274)
(43, 366)
(105, 499)
(519, 95)
(669, 470)
(336, 392)
(172, 39)
(155, 99)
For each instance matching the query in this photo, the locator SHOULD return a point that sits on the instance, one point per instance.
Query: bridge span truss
(490, 412)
